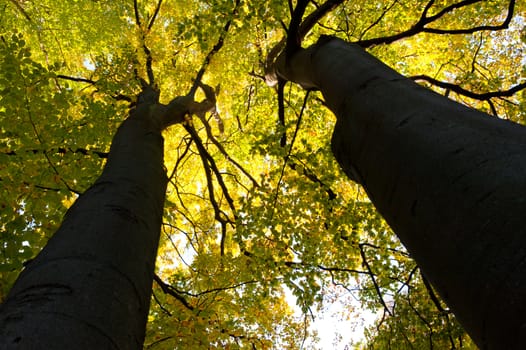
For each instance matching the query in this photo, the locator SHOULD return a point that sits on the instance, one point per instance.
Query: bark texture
(90, 287)
(449, 180)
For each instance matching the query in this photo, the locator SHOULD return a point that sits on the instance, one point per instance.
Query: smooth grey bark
(449, 180)
(90, 287)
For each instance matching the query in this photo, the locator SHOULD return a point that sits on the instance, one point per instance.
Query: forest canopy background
(257, 209)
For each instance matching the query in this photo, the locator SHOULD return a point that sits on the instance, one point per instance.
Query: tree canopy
(262, 232)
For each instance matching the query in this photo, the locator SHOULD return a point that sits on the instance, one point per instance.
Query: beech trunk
(449, 180)
(90, 287)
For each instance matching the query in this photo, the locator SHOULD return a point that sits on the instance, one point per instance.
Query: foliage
(249, 220)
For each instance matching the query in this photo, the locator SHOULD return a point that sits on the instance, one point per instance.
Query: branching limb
(21, 9)
(433, 296)
(46, 156)
(182, 107)
(421, 26)
(118, 97)
(158, 302)
(211, 96)
(149, 63)
(484, 96)
(382, 15)
(215, 49)
(210, 167)
(285, 161)
(157, 342)
(188, 142)
(147, 52)
(155, 13)
(136, 11)
(168, 289)
(281, 111)
(503, 25)
(210, 160)
(422, 318)
(293, 36)
(59, 150)
(373, 279)
(428, 7)
(443, 312)
(311, 175)
(77, 79)
(303, 29)
(178, 111)
(312, 19)
(301, 264)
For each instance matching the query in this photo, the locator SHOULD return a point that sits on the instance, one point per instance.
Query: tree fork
(449, 180)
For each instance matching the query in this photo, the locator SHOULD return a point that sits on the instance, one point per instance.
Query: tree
(233, 240)
(450, 193)
(92, 281)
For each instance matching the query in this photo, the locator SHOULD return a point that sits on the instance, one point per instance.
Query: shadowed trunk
(90, 287)
(449, 180)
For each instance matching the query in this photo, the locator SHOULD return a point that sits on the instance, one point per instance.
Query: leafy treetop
(256, 208)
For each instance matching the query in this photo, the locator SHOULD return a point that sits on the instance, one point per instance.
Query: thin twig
(215, 49)
(41, 142)
(21, 9)
(373, 279)
(484, 96)
(155, 13)
(77, 79)
(168, 289)
(298, 123)
(421, 25)
(136, 10)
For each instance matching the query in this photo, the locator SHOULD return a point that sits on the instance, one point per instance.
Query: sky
(340, 324)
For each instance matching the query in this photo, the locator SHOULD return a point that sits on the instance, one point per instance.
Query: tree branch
(77, 79)
(426, 20)
(484, 96)
(294, 264)
(382, 15)
(59, 150)
(321, 11)
(147, 52)
(281, 110)
(118, 97)
(223, 151)
(137, 16)
(309, 174)
(432, 295)
(168, 289)
(210, 166)
(41, 142)
(155, 13)
(421, 25)
(21, 9)
(285, 161)
(294, 38)
(215, 49)
(373, 279)
(165, 310)
(149, 62)
(428, 7)
(304, 28)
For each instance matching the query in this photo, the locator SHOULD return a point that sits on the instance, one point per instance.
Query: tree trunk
(449, 180)
(90, 287)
